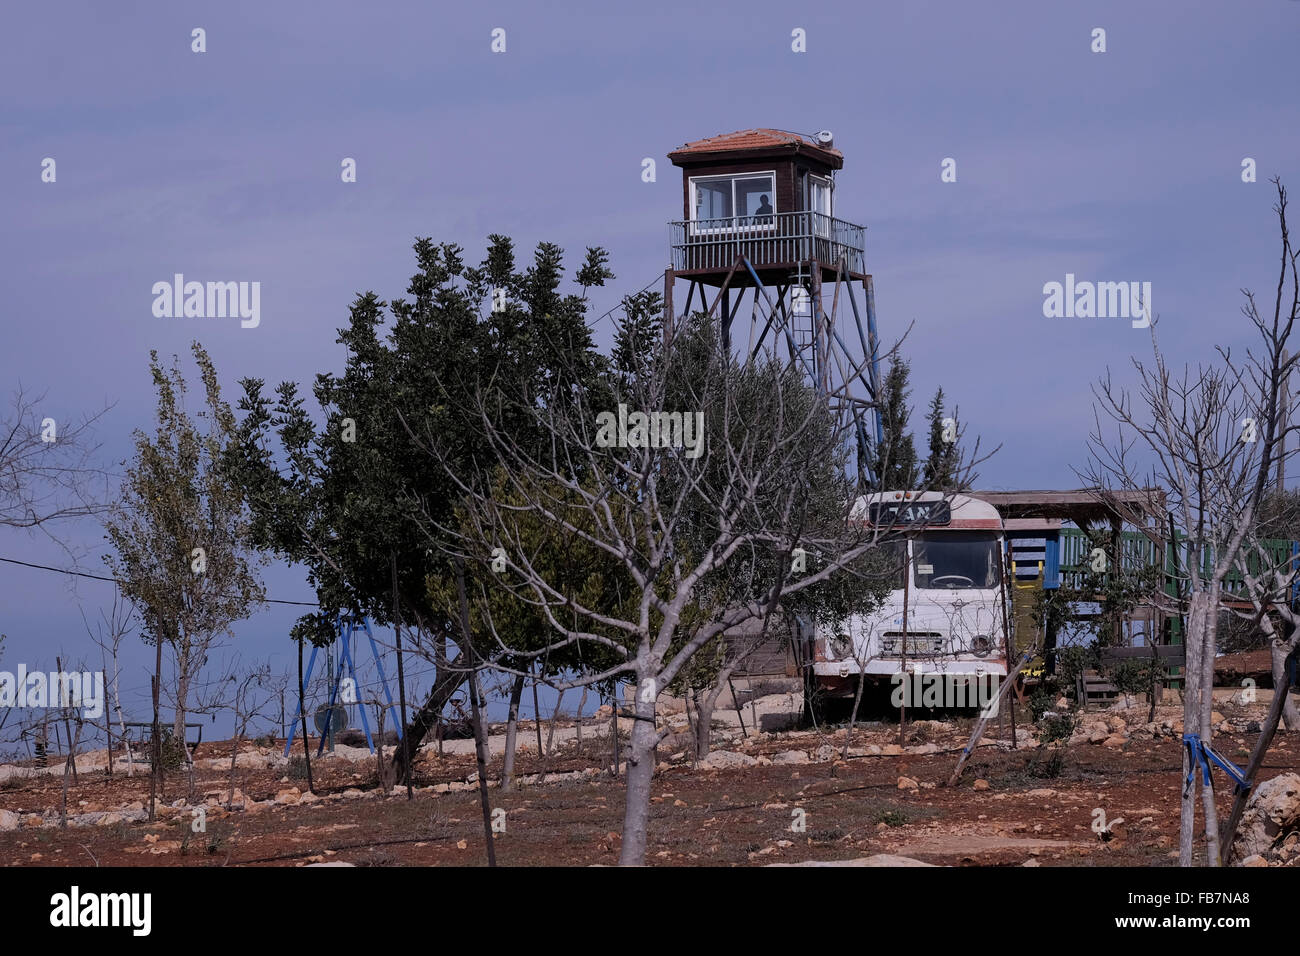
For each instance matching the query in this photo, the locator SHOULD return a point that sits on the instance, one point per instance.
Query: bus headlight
(981, 645)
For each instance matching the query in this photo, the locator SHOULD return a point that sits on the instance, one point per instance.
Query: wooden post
(67, 726)
(725, 317)
(668, 305)
(739, 713)
(819, 332)
(1009, 646)
(908, 564)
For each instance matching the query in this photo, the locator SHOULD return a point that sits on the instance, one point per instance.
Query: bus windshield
(952, 560)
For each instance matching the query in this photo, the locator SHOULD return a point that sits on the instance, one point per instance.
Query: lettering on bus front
(909, 513)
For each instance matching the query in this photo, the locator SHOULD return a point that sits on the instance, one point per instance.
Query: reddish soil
(736, 816)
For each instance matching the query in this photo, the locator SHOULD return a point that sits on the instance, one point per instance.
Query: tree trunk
(1207, 728)
(640, 773)
(481, 756)
(447, 682)
(1196, 622)
(401, 686)
(157, 729)
(704, 703)
(512, 731)
(476, 710)
(857, 702)
(1280, 648)
(182, 698)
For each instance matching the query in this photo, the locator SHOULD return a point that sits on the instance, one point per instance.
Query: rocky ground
(1106, 796)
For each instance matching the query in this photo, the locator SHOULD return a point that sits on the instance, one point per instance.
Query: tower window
(746, 200)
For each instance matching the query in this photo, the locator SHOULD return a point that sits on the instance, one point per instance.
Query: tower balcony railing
(779, 240)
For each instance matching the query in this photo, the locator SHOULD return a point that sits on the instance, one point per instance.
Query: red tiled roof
(751, 139)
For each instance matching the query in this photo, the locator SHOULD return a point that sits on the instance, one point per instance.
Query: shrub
(1073, 661)
(1048, 767)
(892, 818)
(1056, 727)
(172, 749)
(1040, 701)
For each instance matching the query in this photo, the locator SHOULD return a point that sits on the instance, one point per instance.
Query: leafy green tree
(894, 462)
(179, 531)
(512, 624)
(940, 473)
(361, 494)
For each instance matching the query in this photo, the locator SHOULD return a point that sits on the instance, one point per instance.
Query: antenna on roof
(825, 138)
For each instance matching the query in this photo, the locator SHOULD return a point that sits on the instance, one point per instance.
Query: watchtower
(758, 222)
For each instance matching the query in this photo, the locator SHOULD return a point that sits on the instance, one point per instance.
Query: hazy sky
(225, 165)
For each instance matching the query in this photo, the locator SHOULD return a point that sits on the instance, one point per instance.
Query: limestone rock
(726, 759)
(791, 757)
(1272, 810)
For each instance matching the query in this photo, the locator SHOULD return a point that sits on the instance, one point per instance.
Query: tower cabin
(758, 215)
(767, 195)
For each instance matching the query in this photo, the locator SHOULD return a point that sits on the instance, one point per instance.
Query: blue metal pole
(382, 679)
(361, 702)
(334, 690)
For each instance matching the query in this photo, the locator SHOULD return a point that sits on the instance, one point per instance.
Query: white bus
(942, 626)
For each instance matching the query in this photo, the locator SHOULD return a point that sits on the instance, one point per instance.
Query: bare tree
(696, 544)
(46, 469)
(1269, 580)
(110, 630)
(1213, 437)
(252, 692)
